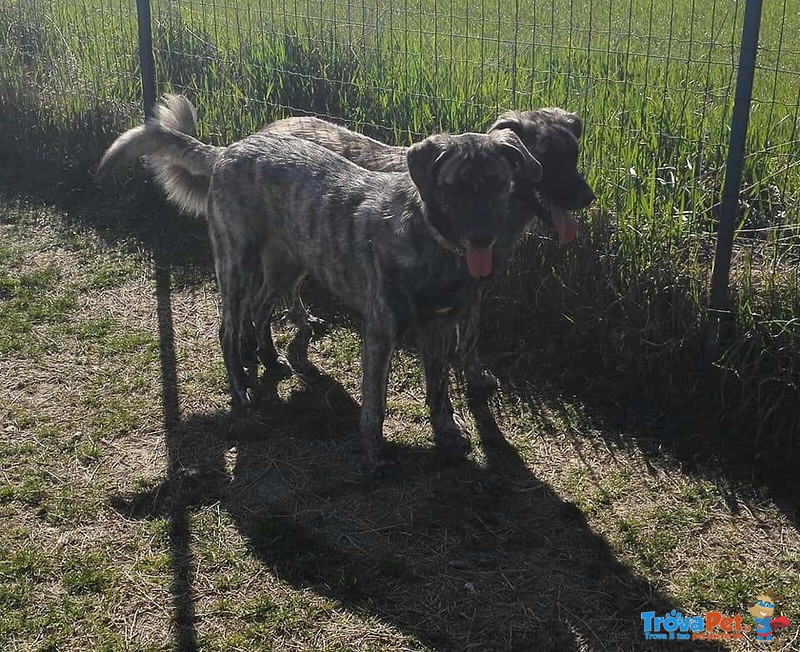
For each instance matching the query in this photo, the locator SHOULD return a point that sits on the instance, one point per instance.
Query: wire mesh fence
(65, 66)
(652, 80)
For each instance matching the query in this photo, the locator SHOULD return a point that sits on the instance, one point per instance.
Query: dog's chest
(442, 296)
(423, 282)
(432, 294)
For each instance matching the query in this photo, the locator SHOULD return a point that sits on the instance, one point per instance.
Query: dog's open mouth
(560, 219)
(564, 223)
(479, 262)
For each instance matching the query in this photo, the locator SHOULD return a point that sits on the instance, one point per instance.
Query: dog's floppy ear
(508, 120)
(573, 123)
(517, 154)
(570, 120)
(424, 160)
(531, 121)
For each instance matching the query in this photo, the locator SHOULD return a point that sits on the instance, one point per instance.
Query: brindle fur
(388, 244)
(552, 135)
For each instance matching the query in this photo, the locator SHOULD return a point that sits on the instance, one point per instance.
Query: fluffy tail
(181, 164)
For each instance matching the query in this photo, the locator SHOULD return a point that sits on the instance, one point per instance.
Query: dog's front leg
(377, 344)
(478, 377)
(438, 346)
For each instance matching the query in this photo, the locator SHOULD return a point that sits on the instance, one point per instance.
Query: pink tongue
(566, 225)
(479, 262)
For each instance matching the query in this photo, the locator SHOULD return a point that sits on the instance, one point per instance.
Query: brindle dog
(552, 135)
(406, 250)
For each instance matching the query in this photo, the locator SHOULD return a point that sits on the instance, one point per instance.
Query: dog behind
(552, 136)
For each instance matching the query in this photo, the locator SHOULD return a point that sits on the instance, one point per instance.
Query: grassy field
(611, 473)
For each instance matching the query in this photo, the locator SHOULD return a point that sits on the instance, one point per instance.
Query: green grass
(597, 348)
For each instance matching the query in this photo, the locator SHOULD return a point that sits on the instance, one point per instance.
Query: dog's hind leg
(438, 345)
(279, 273)
(248, 347)
(276, 366)
(237, 270)
(249, 339)
(233, 288)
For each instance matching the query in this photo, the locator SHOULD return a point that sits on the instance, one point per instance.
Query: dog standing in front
(406, 250)
(552, 135)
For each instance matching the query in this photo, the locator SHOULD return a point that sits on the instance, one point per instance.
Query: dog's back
(362, 150)
(283, 197)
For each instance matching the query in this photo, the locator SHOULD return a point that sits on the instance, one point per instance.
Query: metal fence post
(146, 59)
(718, 303)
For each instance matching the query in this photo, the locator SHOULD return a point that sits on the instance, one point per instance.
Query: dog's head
(466, 182)
(552, 135)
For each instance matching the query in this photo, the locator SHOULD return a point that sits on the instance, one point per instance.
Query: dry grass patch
(142, 515)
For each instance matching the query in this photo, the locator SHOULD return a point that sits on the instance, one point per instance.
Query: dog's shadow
(456, 553)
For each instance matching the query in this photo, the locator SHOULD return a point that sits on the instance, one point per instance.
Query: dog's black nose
(587, 198)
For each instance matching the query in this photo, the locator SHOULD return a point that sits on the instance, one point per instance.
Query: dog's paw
(278, 369)
(317, 327)
(481, 379)
(453, 440)
(382, 464)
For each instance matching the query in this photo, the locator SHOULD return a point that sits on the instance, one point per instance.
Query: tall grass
(652, 81)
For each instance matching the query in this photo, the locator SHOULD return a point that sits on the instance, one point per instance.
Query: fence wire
(653, 81)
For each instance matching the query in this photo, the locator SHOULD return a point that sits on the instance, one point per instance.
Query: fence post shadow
(183, 615)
